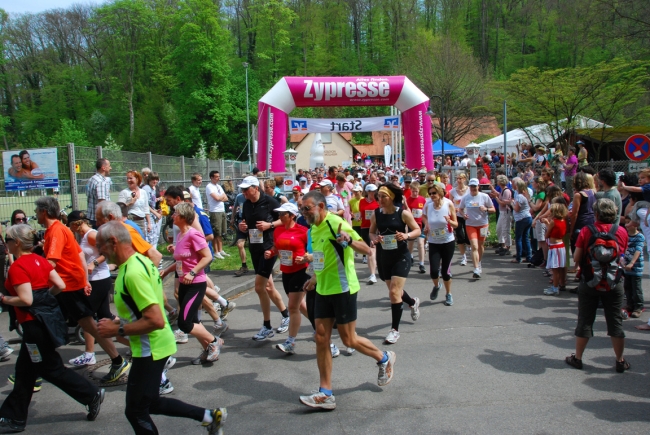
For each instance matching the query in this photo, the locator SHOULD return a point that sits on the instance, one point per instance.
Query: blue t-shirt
(635, 244)
(645, 189)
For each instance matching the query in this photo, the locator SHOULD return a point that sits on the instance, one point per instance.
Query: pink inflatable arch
(292, 92)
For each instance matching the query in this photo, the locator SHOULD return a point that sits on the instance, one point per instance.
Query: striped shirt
(98, 188)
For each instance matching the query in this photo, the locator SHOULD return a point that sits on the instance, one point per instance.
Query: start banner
(343, 125)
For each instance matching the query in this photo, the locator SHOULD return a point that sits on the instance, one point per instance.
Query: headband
(386, 190)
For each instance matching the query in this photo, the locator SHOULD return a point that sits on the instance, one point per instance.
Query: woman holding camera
(137, 201)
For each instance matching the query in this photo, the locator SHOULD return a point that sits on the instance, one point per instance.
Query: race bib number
(179, 268)
(345, 202)
(286, 258)
(319, 260)
(417, 213)
(439, 232)
(255, 236)
(389, 243)
(473, 204)
(484, 231)
(34, 353)
(310, 268)
(357, 216)
(369, 214)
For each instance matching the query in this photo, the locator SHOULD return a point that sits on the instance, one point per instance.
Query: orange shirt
(61, 246)
(139, 244)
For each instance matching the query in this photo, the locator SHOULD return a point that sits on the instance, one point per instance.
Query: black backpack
(601, 268)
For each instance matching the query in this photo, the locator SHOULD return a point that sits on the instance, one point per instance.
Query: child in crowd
(633, 269)
(555, 231)
(643, 187)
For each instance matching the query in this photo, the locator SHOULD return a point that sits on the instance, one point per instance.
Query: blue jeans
(522, 234)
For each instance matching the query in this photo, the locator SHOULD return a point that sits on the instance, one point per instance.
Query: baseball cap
(186, 195)
(422, 172)
(408, 179)
(288, 207)
(296, 189)
(326, 182)
(76, 215)
(474, 182)
(248, 182)
(370, 187)
(357, 188)
(349, 178)
(302, 179)
(580, 142)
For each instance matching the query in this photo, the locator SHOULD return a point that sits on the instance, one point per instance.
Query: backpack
(601, 268)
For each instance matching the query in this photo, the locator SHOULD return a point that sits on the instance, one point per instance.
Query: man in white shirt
(197, 179)
(216, 197)
(465, 162)
(304, 188)
(334, 203)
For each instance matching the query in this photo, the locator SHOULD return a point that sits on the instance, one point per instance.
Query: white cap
(326, 182)
(370, 187)
(422, 172)
(349, 178)
(474, 182)
(288, 207)
(248, 182)
(302, 179)
(357, 188)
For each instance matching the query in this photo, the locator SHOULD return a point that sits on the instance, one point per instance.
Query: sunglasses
(306, 209)
(22, 219)
(244, 189)
(433, 193)
(9, 239)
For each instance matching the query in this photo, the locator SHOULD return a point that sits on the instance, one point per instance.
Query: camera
(132, 194)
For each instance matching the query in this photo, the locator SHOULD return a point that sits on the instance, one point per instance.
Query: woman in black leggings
(390, 229)
(439, 218)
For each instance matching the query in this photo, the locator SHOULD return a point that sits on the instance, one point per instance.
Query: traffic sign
(637, 167)
(637, 147)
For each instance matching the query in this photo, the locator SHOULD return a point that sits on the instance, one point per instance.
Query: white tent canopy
(539, 134)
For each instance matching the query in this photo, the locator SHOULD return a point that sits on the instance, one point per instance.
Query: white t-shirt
(457, 197)
(334, 203)
(439, 230)
(214, 206)
(464, 163)
(140, 208)
(196, 196)
(471, 205)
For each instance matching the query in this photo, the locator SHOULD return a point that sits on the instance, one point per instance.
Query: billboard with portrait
(30, 169)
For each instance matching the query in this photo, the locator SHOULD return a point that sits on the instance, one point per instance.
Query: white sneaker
(477, 273)
(181, 337)
(463, 261)
(170, 363)
(83, 360)
(165, 387)
(350, 350)
(220, 329)
(415, 310)
(284, 326)
(365, 260)
(372, 280)
(224, 254)
(318, 400)
(213, 350)
(219, 256)
(392, 337)
(335, 350)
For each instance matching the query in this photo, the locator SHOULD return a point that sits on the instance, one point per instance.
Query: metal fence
(77, 164)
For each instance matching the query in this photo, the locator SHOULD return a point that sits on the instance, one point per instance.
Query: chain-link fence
(172, 170)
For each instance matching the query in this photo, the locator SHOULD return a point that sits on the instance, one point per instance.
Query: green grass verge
(229, 263)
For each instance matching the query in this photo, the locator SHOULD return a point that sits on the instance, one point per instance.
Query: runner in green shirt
(333, 244)
(139, 303)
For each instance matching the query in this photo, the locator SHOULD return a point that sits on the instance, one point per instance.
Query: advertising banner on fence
(343, 125)
(31, 169)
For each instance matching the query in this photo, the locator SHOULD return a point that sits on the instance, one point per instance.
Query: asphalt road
(491, 364)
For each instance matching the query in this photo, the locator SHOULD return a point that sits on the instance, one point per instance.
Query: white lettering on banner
(360, 89)
(421, 134)
(301, 125)
(270, 150)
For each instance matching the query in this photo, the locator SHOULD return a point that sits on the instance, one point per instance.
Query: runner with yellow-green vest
(139, 303)
(333, 243)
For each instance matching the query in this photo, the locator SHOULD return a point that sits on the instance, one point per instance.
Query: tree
(606, 91)
(441, 66)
